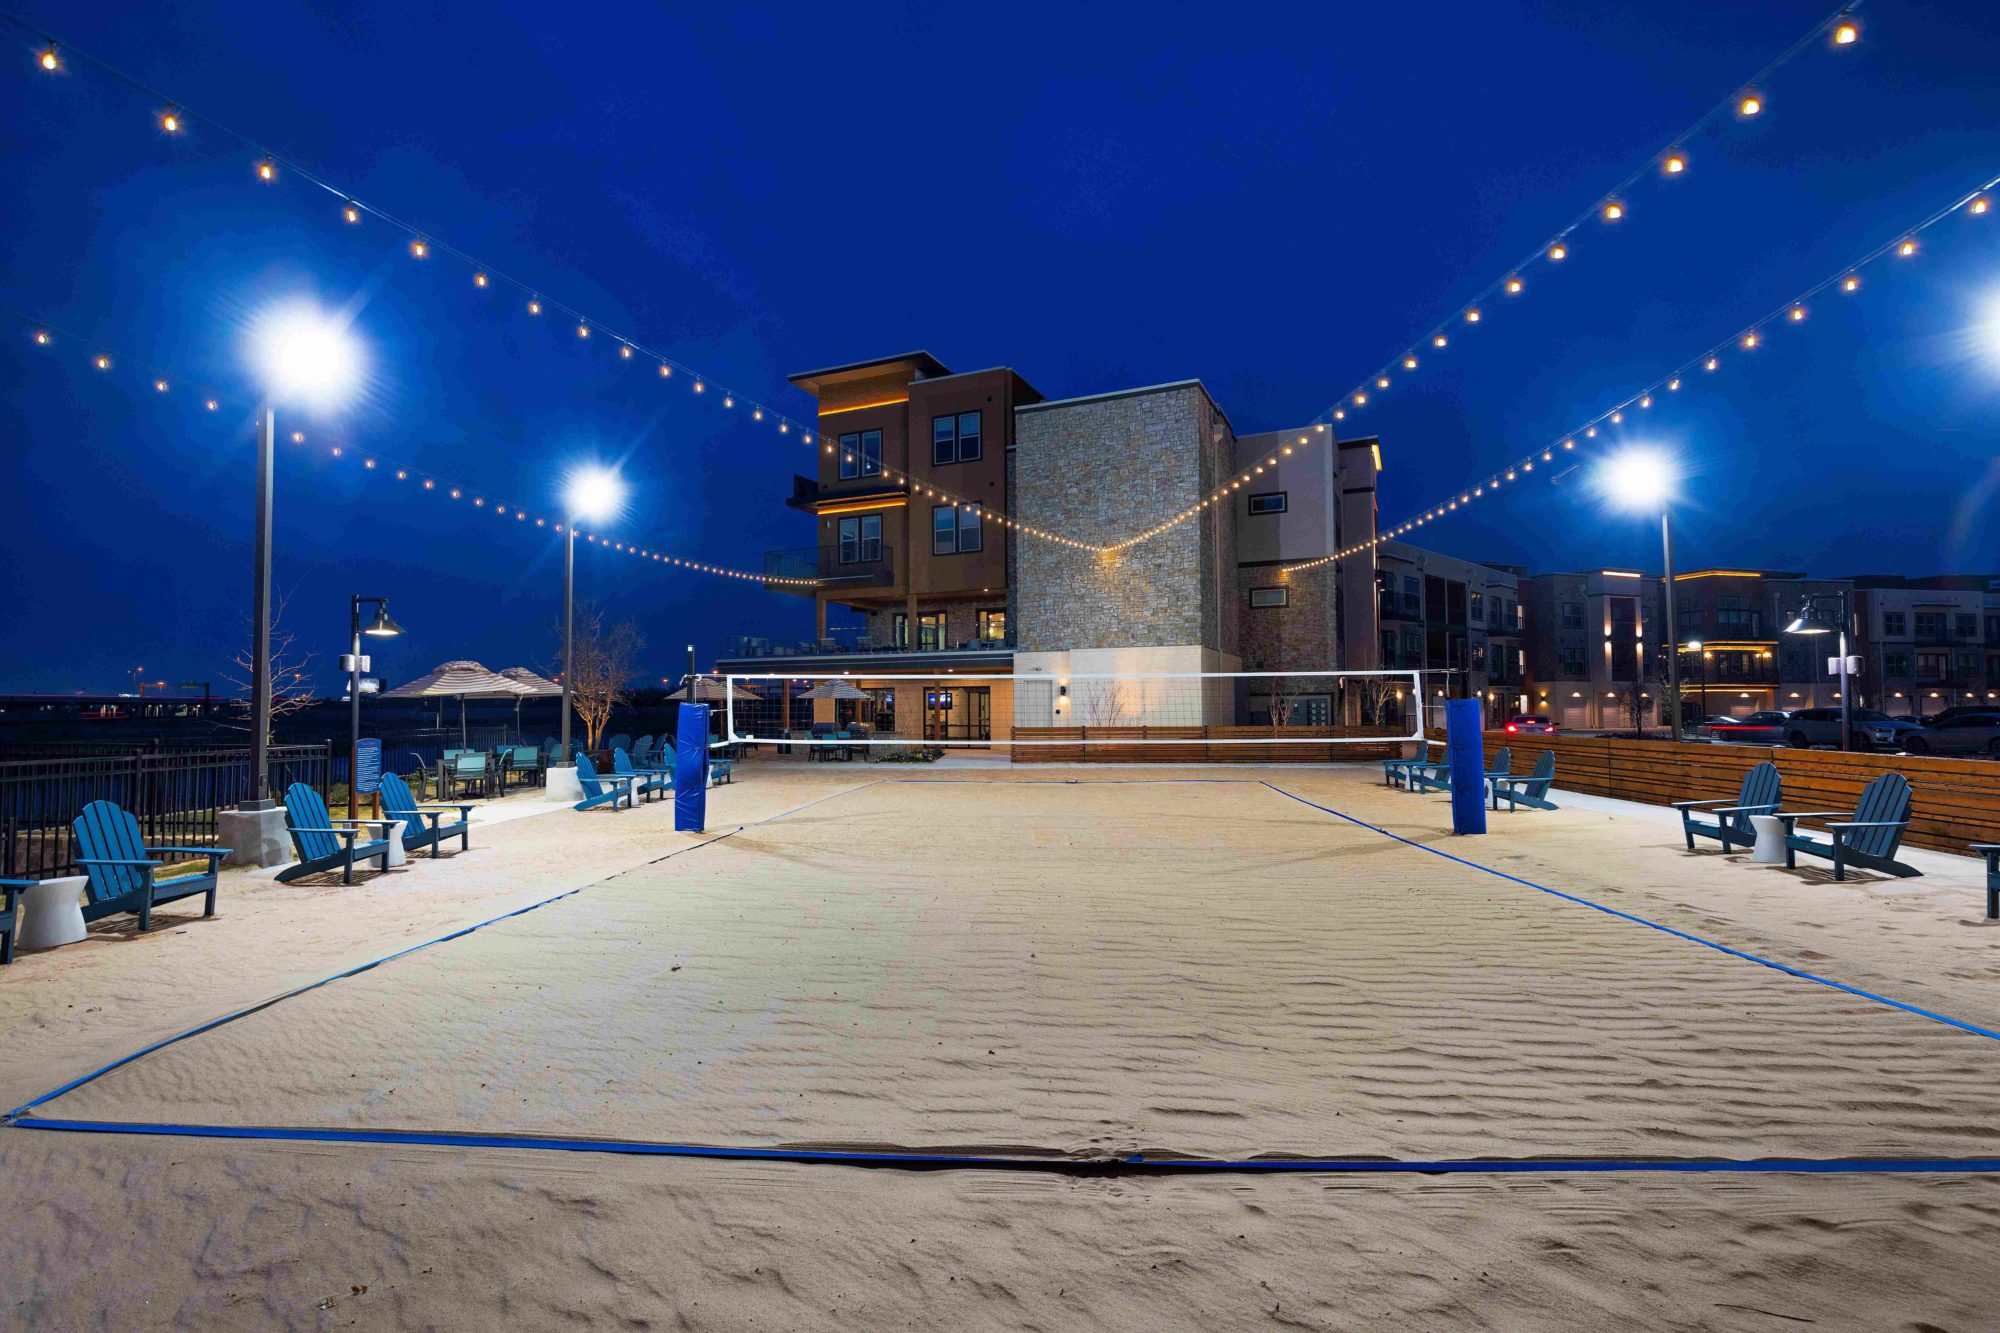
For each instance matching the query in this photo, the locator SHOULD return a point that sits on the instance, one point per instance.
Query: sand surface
(889, 960)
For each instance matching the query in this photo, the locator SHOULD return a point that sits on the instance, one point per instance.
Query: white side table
(392, 829)
(1770, 847)
(52, 913)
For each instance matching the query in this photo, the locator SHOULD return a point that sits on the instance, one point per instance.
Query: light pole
(382, 628)
(133, 672)
(1808, 621)
(1701, 670)
(592, 493)
(1639, 480)
(305, 354)
(690, 679)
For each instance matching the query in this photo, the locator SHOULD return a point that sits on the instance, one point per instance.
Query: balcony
(844, 565)
(809, 494)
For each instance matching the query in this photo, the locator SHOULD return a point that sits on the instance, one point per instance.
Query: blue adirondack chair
(325, 843)
(122, 870)
(1869, 837)
(622, 741)
(600, 788)
(1759, 796)
(1437, 777)
(1396, 772)
(11, 890)
(397, 803)
(645, 752)
(646, 781)
(1991, 851)
(1531, 790)
(721, 771)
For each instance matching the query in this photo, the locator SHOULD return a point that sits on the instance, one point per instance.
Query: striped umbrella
(465, 680)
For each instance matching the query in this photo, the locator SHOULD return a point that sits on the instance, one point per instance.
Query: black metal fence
(174, 794)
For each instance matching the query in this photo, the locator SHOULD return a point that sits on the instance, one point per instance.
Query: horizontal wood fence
(1193, 745)
(1953, 801)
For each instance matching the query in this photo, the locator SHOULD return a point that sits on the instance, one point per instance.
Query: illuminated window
(1270, 597)
(1270, 502)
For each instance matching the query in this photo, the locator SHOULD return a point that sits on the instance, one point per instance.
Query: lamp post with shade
(381, 627)
(1809, 621)
(1641, 480)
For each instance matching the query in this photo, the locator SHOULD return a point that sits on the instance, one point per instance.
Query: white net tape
(1240, 708)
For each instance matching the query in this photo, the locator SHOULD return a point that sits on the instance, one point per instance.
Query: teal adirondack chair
(600, 788)
(10, 890)
(646, 781)
(1531, 790)
(1437, 777)
(721, 771)
(1869, 837)
(645, 752)
(1758, 796)
(122, 870)
(622, 741)
(322, 842)
(1396, 772)
(397, 803)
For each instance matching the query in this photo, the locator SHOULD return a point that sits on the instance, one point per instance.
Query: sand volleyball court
(1060, 969)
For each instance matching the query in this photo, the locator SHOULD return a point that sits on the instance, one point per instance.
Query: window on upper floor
(860, 538)
(955, 438)
(1895, 623)
(1993, 629)
(993, 625)
(1966, 625)
(1413, 593)
(1896, 665)
(1389, 639)
(1930, 624)
(954, 530)
(1269, 597)
(1572, 615)
(1570, 660)
(860, 454)
(1478, 608)
(1270, 502)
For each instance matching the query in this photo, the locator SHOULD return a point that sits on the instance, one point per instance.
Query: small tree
(291, 672)
(1636, 706)
(604, 661)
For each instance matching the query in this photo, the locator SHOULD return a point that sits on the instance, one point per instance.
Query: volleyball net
(1223, 709)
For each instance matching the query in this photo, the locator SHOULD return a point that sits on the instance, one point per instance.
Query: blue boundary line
(1135, 1164)
(1800, 973)
(14, 1116)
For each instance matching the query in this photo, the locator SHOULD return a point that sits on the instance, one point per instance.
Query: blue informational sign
(368, 767)
(691, 770)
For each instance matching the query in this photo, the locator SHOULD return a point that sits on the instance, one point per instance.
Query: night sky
(1277, 203)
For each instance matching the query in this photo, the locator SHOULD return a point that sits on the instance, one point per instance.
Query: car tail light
(1512, 727)
(1552, 726)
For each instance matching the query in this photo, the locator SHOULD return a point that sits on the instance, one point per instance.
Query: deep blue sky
(1276, 202)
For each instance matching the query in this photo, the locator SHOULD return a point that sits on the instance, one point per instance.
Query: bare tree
(291, 672)
(605, 660)
(1637, 703)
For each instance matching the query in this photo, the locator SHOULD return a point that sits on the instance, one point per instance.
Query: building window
(993, 626)
(1740, 615)
(1413, 594)
(1265, 597)
(1413, 646)
(1895, 623)
(1478, 656)
(1896, 665)
(930, 631)
(954, 531)
(1993, 629)
(1572, 617)
(860, 539)
(1932, 666)
(955, 439)
(1478, 608)
(1967, 625)
(1388, 647)
(1270, 502)
(1572, 661)
(860, 454)
(1930, 625)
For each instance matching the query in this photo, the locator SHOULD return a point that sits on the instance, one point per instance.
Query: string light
(1846, 34)
(48, 59)
(1513, 286)
(1559, 251)
(420, 248)
(534, 307)
(351, 213)
(1675, 163)
(479, 279)
(170, 121)
(159, 386)
(103, 363)
(1906, 249)
(1979, 206)
(1613, 211)
(1751, 105)
(41, 338)
(266, 172)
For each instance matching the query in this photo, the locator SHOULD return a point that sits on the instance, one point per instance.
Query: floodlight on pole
(594, 493)
(1810, 622)
(1640, 480)
(305, 355)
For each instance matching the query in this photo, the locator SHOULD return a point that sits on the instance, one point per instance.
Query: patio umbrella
(708, 690)
(466, 680)
(832, 689)
(528, 685)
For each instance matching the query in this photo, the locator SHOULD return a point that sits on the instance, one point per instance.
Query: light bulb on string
(1675, 163)
(350, 214)
(48, 59)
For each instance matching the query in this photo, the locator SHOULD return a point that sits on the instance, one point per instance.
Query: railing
(845, 564)
(174, 794)
(864, 644)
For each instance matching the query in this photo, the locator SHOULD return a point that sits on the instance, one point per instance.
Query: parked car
(1968, 733)
(1958, 710)
(1761, 728)
(1531, 724)
(1873, 730)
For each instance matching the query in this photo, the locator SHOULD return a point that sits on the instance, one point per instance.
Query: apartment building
(1458, 618)
(1746, 663)
(1595, 640)
(1929, 643)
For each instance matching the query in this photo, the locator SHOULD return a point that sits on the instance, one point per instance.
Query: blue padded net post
(1465, 751)
(691, 770)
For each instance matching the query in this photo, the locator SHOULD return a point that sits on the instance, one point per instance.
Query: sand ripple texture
(1209, 969)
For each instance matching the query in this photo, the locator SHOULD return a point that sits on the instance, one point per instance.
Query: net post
(1465, 749)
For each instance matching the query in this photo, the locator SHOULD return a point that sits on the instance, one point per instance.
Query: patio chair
(11, 891)
(1437, 776)
(1531, 790)
(644, 752)
(1991, 851)
(646, 781)
(1869, 837)
(1758, 796)
(397, 803)
(123, 872)
(721, 771)
(465, 770)
(622, 741)
(600, 789)
(523, 761)
(324, 843)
